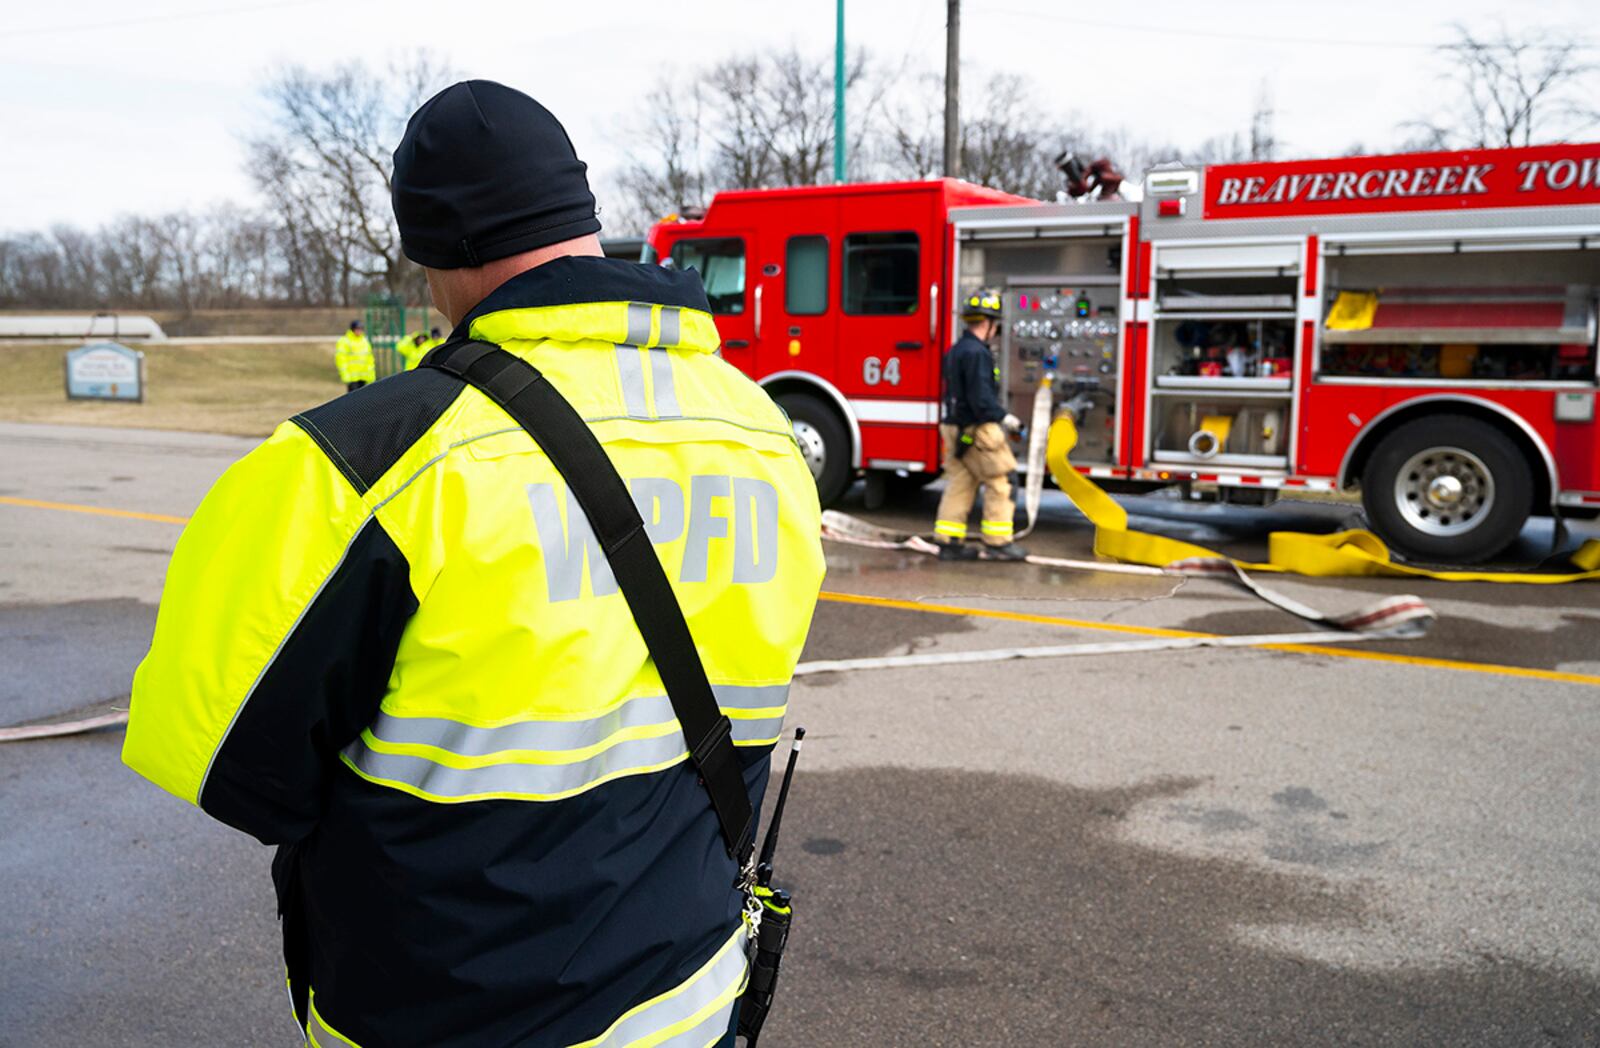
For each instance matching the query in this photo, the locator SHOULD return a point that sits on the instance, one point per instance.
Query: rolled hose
(1211, 437)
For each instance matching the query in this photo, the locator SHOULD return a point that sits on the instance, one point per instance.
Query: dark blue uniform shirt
(971, 384)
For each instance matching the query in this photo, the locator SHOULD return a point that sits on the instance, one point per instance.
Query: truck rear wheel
(1447, 488)
(823, 441)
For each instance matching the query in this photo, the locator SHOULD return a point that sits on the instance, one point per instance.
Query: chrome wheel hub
(812, 448)
(1444, 491)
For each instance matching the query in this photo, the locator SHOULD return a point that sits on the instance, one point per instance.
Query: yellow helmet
(985, 302)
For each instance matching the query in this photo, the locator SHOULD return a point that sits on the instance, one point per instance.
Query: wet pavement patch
(974, 908)
(60, 657)
(1452, 637)
(858, 631)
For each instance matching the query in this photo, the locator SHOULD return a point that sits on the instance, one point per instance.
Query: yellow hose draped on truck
(1357, 552)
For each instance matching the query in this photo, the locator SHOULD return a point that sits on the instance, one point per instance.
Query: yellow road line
(1491, 668)
(1008, 616)
(100, 511)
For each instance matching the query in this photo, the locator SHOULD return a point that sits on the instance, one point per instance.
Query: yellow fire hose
(1356, 552)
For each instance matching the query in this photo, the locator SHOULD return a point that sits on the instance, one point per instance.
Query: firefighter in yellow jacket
(353, 357)
(390, 644)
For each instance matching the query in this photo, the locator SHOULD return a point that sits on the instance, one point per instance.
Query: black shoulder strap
(536, 405)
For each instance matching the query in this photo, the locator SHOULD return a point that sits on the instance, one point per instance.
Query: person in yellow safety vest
(353, 357)
(412, 348)
(391, 644)
(435, 339)
(973, 428)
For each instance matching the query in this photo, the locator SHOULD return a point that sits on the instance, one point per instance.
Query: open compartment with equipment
(1060, 293)
(1222, 354)
(1489, 311)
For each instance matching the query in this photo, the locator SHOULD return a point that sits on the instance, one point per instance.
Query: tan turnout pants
(987, 464)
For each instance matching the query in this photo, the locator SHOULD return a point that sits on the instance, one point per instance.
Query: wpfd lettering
(717, 508)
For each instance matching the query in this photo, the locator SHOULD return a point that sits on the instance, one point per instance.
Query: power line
(174, 16)
(1253, 38)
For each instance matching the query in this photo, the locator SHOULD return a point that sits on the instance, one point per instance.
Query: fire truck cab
(1421, 327)
(836, 300)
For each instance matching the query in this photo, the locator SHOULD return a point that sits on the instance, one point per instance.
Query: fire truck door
(888, 265)
(800, 304)
(726, 265)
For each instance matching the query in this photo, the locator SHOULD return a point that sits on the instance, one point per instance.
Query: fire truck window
(806, 292)
(880, 273)
(720, 262)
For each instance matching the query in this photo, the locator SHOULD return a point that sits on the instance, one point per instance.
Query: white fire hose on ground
(1387, 619)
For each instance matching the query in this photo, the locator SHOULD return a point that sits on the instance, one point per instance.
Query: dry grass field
(245, 390)
(262, 321)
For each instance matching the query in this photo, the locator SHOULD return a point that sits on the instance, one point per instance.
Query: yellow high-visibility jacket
(390, 642)
(353, 357)
(413, 347)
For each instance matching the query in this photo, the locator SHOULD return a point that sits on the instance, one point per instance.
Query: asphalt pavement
(1388, 844)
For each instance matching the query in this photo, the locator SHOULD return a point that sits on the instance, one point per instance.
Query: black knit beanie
(483, 172)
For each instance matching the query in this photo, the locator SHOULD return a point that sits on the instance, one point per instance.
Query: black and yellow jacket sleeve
(263, 666)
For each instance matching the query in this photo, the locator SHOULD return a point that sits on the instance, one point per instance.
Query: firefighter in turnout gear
(353, 357)
(392, 640)
(973, 428)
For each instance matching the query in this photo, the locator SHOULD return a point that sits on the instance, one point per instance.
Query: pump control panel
(1071, 326)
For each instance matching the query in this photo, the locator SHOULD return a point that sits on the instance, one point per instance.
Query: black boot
(1010, 551)
(957, 551)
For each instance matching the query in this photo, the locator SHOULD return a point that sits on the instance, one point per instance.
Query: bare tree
(913, 145)
(1263, 137)
(745, 123)
(668, 173)
(1510, 89)
(326, 167)
(1002, 150)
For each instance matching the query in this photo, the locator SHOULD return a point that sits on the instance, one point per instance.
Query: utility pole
(838, 97)
(952, 90)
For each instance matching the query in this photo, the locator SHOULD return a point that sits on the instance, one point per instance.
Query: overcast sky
(108, 107)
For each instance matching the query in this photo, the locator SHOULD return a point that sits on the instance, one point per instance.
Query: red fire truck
(1421, 327)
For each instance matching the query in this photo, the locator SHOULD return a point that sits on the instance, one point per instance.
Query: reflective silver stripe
(523, 735)
(539, 780)
(557, 736)
(751, 696)
(638, 323)
(708, 1031)
(630, 370)
(669, 326)
(720, 978)
(661, 379)
(758, 729)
